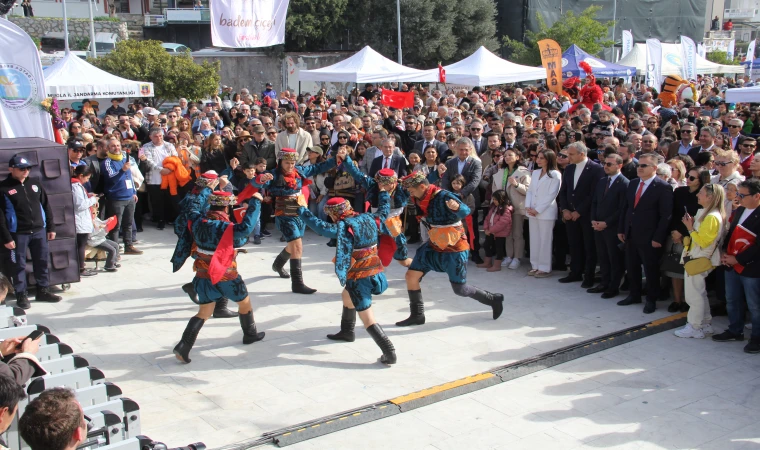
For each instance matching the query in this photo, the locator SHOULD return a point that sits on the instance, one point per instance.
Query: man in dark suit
(643, 227)
(609, 197)
(479, 143)
(428, 139)
(259, 147)
(471, 169)
(510, 140)
(706, 142)
(745, 286)
(578, 183)
(388, 160)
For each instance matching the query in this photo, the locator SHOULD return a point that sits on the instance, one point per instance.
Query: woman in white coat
(514, 177)
(541, 207)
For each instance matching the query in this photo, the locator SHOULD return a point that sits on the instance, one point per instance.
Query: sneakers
(727, 336)
(131, 250)
(87, 273)
(265, 233)
(257, 240)
(506, 261)
(707, 328)
(753, 346)
(111, 269)
(689, 332)
(514, 265)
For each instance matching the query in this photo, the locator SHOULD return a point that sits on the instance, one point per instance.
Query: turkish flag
(441, 74)
(393, 99)
(741, 238)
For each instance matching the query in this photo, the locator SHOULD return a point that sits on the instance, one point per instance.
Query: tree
(311, 23)
(173, 76)
(583, 30)
(475, 26)
(720, 57)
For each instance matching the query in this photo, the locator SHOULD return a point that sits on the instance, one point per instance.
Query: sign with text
(248, 23)
(551, 59)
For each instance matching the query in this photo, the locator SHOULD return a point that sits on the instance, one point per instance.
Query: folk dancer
(285, 184)
(216, 274)
(446, 250)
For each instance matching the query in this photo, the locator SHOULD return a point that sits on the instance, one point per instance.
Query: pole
(614, 17)
(65, 29)
(93, 50)
(398, 25)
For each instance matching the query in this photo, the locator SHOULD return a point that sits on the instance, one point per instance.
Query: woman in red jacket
(497, 226)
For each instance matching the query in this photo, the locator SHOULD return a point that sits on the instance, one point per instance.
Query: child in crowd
(497, 226)
(99, 240)
(82, 216)
(246, 191)
(457, 184)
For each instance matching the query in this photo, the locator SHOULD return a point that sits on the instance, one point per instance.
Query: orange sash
(448, 239)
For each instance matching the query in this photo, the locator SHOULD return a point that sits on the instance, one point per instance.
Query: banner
(627, 42)
(394, 99)
(689, 58)
(701, 50)
(654, 63)
(248, 24)
(441, 74)
(551, 59)
(751, 54)
(22, 86)
(731, 49)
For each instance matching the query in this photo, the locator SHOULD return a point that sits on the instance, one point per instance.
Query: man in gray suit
(378, 135)
(470, 168)
(428, 139)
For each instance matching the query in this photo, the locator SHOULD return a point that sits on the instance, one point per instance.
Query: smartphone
(209, 115)
(162, 121)
(86, 124)
(33, 336)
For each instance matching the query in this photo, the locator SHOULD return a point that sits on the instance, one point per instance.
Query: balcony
(741, 14)
(178, 16)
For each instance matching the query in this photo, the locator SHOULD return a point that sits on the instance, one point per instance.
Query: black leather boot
(22, 300)
(296, 279)
(416, 309)
(190, 291)
(182, 350)
(279, 264)
(250, 335)
(385, 344)
(44, 295)
(495, 301)
(221, 311)
(347, 324)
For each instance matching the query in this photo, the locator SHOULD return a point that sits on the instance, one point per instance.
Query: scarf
(117, 157)
(218, 215)
(291, 179)
(424, 202)
(225, 250)
(75, 180)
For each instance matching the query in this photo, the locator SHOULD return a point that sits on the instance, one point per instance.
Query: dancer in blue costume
(392, 226)
(216, 274)
(446, 251)
(184, 248)
(284, 184)
(357, 264)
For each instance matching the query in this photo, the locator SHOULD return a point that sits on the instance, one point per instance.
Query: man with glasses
(747, 153)
(648, 145)
(706, 142)
(115, 109)
(258, 147)
(410, 135)
(682, 147)
(637, 126)
(310, 126)
(26, 221)
(75, 148)
(339, 124)
(734, 132)
(476, 135)
(428, 139)
(53, 421)
(630, 165)
(653, 126)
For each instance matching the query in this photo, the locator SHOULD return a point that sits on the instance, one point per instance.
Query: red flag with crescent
(441, 74)
(741, 238)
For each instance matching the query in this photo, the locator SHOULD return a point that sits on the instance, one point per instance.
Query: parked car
(53, 41)
(175, 48)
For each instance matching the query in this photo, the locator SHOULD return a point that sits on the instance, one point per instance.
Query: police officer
(26, 220)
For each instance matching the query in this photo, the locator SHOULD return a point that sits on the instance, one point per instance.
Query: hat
(414, 179)
(259, 129)
(207, 178)
(19, 162)
(269, 85)
(222, 198)
(386, 176)
(244, 134)
(75, 144)
(288, 154)
(316, 149)
(148, 111)
(337, 206)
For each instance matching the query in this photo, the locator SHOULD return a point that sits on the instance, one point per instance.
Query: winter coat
(498, 225)
(82, 204)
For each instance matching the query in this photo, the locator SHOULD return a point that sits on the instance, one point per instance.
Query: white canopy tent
(367, 66)
(73, 78)
(483, 68)
(743, 95)
(671, 61)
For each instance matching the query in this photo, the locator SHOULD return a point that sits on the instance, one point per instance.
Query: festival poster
(551, 59)
(248, 23)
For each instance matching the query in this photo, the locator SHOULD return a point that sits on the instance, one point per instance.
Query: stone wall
(78, 28)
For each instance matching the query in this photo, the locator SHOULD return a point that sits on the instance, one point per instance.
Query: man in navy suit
(643, 228)
(578, 183)
(479, 143)
(388, 160)
(609, 197)
(428, 139)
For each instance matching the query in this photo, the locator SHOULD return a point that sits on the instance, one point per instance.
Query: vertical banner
(22, 86)
(731, 49)
(689, 58)
(248, 24)
(751, 54)
(627, 42)
(701, 50)
(551, 59)
(654, 63)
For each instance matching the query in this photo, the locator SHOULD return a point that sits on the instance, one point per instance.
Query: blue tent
(601, 68)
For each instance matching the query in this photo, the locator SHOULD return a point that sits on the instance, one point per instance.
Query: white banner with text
(248, 23)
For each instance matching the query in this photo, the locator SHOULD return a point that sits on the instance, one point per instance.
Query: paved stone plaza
(658, 392)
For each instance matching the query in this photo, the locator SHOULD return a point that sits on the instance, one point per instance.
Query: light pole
(398, 24)
(93, 51)
(65, 29)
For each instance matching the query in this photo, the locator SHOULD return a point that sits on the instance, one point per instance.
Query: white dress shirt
(579, 167)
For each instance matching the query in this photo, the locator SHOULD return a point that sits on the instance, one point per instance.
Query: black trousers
(611, 262)
(559, 245)
(38, 247)
(81, 248)
(636, 255)
(580, 237)
(495, 246)
(160, 202)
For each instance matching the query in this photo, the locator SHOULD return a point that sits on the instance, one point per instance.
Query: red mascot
(590, 93)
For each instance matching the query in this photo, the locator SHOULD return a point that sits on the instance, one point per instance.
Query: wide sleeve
(328, 230)
(545, 202)
(708, 232)
(365, 181)
(196, 207)
(81, 201)
(383, 206)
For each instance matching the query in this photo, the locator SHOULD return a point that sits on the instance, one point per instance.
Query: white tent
(671, 61)
(73, 78)
(743, 95)
(367, 66)
(483, 68)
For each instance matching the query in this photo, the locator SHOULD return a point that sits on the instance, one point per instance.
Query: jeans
(321, 208)
(739, 289)
(38, 247)
(124, 210)
(112, 252)
(257, 228)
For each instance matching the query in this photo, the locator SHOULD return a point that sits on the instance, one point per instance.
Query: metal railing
(154, 20)
(187, 15)
(740, 13)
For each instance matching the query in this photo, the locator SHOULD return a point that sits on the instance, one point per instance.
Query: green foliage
(36, 41)
(106, 19)
(81, 43)
(311, 23)
(719, 57)
(173, 76)
(583, 30)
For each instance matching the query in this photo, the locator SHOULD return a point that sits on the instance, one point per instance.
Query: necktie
(607, 187)
(638, 194)
(387, 163)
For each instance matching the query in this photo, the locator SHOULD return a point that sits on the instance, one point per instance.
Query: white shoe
(514, 264)
(689, 332)
(707, 329)
(505, 262)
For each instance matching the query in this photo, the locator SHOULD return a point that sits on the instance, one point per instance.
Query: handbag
(697, 265)
(671, 259)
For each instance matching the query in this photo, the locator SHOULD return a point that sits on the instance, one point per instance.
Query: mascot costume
(676, 89)
(590, 93)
